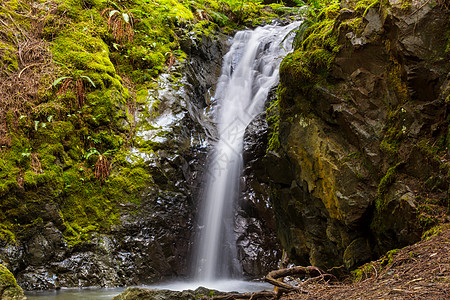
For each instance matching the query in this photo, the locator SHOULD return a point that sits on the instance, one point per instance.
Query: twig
(376, 273)
(29, 66)
(250, 296)
(419, 8)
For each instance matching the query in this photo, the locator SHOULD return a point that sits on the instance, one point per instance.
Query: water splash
(249, 70)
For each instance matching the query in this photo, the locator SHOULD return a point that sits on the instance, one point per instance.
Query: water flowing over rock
(356, 169)
(249, 71)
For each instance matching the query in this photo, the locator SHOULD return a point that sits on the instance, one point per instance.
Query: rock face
(258, 245)
(139, 293)
(134, 293)
(364, 151)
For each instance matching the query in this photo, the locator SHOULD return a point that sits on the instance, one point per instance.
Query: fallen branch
(247, 296)
(298, 270)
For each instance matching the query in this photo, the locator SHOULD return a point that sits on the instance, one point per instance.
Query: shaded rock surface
(365, 152)
(257, 242)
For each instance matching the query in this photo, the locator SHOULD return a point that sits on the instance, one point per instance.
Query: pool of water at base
(109, 293)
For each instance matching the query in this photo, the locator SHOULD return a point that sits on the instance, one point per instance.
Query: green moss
(372, 268)
(395, 82)
(362, 272)
(364, 5)
(387, 180)
(83, 116)
(316, 48)
(388, 258)
(8, 285)
(273, 120)
(434, 231)
(355, 25)
(8, 58)
(406, 4)
(6, 235)
(394, 132)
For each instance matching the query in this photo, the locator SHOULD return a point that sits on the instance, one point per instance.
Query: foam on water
(219, 285)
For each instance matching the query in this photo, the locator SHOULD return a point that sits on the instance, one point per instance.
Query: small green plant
(363, 272)
(433, 231)
(74, 83)
(274, 121)
(120, 23)
(388, 258)
(387, 180)
(102, 166)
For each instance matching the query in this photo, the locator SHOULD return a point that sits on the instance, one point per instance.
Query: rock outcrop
(257, 242)
(364, 160)
(153, 240)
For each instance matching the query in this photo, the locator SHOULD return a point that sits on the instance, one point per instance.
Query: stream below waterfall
(109, 293)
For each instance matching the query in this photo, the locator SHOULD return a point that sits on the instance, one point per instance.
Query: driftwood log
(247, 296)
(297, 270)
(281, 287)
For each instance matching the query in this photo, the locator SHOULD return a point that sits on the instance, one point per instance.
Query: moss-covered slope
(72, 72)
(9, 290)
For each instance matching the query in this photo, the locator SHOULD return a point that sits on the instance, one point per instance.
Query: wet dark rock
(356, 161)
(259, 249)
(153, 239)
(146, 294)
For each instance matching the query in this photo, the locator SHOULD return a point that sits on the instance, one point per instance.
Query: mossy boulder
(135, 293)
(9, 290)
(148, 294)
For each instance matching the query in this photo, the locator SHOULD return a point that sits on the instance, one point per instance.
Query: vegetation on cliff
(73, 73)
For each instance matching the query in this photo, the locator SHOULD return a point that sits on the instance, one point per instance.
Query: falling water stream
(249, 71)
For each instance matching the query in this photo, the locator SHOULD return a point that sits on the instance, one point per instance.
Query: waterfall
(249, 70)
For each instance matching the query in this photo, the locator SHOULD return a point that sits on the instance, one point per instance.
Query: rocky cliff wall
(363, 165)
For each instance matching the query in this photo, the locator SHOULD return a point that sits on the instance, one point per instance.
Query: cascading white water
(249, 71)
